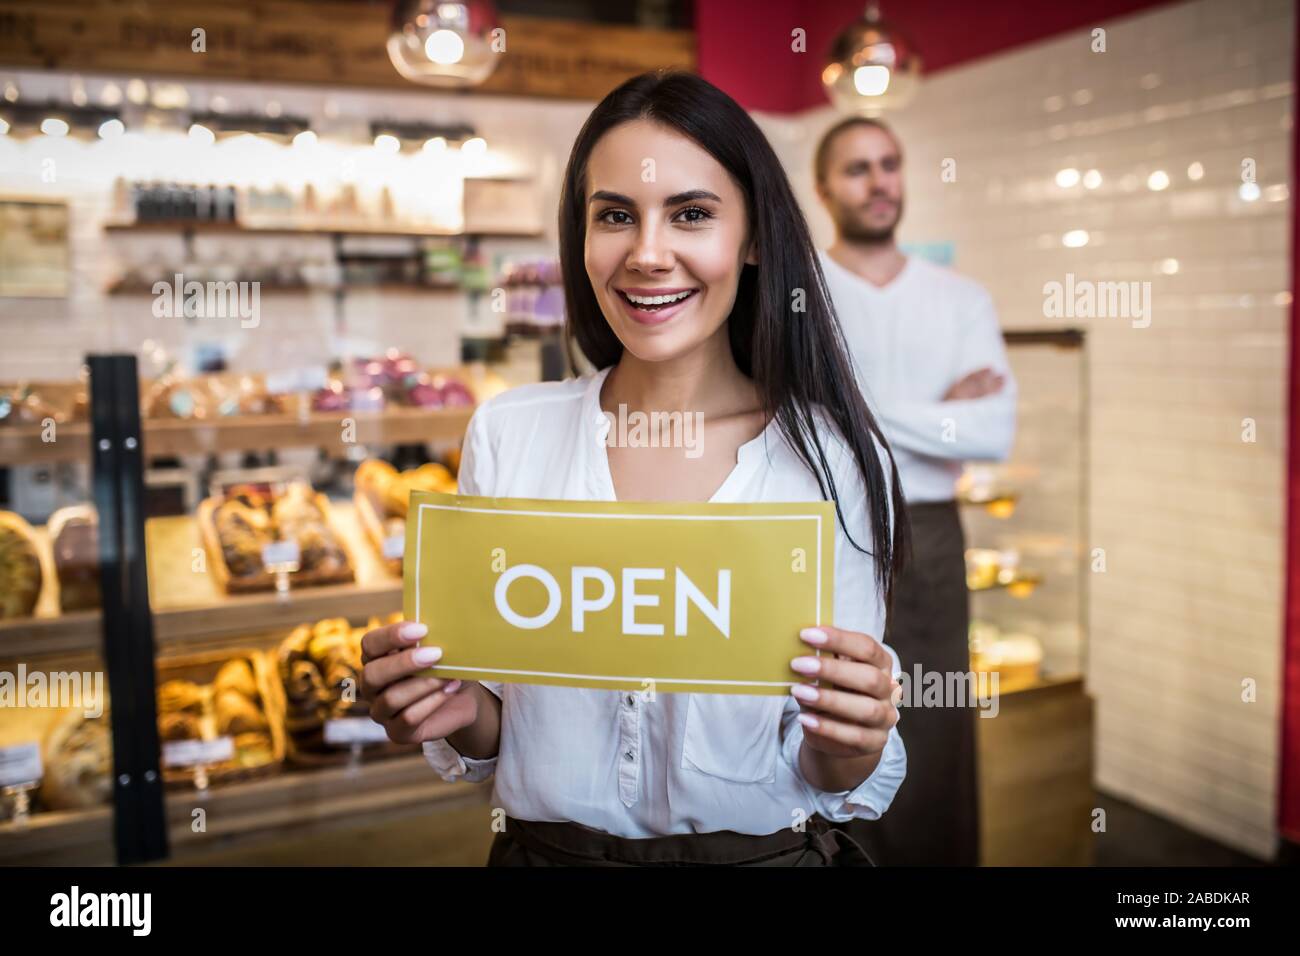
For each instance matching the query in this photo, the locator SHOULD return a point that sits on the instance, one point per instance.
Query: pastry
(174, 695)
(179, 725)
(74, 536)
(320, 666)
(20, 567)
(375, 475)
(243, 531)
(299, 518)
(78, 763)
(253, 749)
(237, 714)
(237, 676)
(326, 636)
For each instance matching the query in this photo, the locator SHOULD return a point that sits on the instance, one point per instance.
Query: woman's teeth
(653, 302)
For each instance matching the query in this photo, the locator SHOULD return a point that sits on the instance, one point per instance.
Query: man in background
(933, 367)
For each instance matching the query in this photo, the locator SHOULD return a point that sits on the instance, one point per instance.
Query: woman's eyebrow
(676, 199)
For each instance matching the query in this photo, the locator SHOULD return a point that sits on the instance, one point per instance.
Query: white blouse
(680, 763)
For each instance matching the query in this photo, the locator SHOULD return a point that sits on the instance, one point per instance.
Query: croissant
(237, 676)
(184, 695)
(236, 714)
(179, 725)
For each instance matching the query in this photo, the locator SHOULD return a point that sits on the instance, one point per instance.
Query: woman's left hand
(851, 713)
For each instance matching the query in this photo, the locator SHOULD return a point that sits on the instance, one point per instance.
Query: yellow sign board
(678, 598)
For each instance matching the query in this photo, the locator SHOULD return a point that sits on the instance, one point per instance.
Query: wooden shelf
(27, 637)
(22, 444)
(60, 838)
(324, 429)
(298, 802)
(266, 288)
(292, 803)
(320, 229)
(191, 608)
(1026, 581)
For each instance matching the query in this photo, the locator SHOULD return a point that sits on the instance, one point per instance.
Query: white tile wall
(1191, 517)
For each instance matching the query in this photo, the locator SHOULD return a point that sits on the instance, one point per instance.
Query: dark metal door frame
(116, 446)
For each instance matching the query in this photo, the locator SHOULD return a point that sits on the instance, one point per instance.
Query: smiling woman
(661, 195)
(692, 286)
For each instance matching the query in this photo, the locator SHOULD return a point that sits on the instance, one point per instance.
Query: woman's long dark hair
(796, 358)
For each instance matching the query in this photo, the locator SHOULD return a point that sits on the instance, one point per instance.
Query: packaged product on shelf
(36, 404)
(239, 529)
(202, 397)
(20, 567)
(74, 538)
(393, 379)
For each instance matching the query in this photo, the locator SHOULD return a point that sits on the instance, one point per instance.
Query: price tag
(190, 753)
(20, 764)
(394, 546)
(281, 553)
(342, 731)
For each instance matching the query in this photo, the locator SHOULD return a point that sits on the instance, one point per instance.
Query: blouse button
(629, 755)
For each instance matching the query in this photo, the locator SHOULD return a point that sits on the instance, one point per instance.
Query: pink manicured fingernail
(809, 721)
(813, 636)
(412, 631)
(426, 655)
(804, 692)
(806, 665)
(452, 687)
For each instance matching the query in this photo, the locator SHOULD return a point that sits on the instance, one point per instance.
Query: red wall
(744, 45)
(1288, 813)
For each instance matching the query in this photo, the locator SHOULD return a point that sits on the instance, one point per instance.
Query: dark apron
(934, 819)
(527, 843)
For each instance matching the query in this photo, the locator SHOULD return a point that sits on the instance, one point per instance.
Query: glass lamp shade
(443, 44)
(871, 67)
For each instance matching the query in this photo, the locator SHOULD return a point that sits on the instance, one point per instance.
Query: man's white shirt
(910, 341)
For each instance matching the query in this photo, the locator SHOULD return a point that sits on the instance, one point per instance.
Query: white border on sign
(419, 532)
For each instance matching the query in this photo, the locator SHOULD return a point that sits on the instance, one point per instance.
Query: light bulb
(444, 47)
(871, 80)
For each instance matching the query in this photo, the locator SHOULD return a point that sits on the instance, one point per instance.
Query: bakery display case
(262, 590)
(1025, 522)
(56, 741)
(251, 584)
(1027, 571)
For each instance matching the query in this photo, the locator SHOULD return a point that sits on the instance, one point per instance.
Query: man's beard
(852, 229)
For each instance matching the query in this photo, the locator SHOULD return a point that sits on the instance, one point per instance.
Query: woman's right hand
(411, 708)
